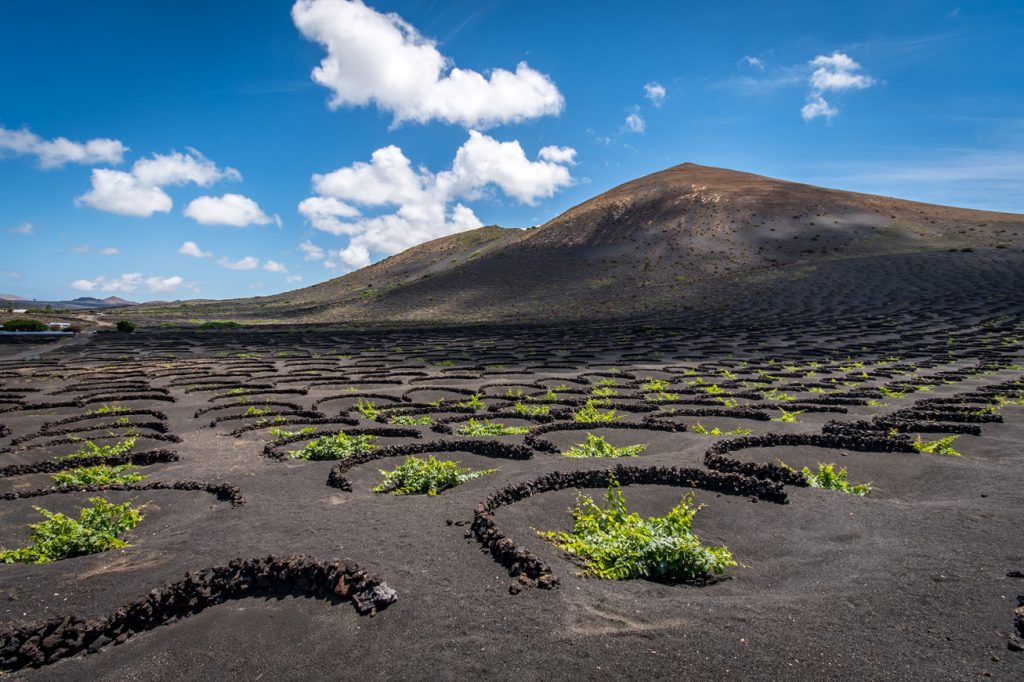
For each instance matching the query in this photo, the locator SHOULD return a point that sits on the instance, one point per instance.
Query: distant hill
(690, 237)
(10, 297)
(80, 303)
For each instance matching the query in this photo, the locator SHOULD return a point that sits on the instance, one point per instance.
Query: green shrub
(429, 476)
(25, 324)
(412, 420)
(489, 428)
(101, 474)
(474, 402)
(599, 447)
(335, 446)
(655, 384)
(774, 394)
(109, 409)
(704, 431)
(662, 397)
(788, 416)
(589, 414)
(282, 433)
(97, 529)
(827, 478)
(219, 324)
(615, 544)
(90, 449)
(942, 446)
(531, 410)
(367, 408)
(126, 326)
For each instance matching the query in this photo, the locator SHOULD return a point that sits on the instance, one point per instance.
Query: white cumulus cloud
(164, 285)
(140, 192)
(753, 62)
(26, 229)
(274, 266)
(312, 251)
(832, 73)
(635, 123)
(128, 283)
(375, 58)
(60, 151)
(234, 210)
(655, 92)
(110, 251)
(423, 199)
(192, 249)
(247, 263)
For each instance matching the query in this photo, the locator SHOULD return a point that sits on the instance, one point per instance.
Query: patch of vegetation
(474, 402)
(662, 397)
(97, 529)
(942, 446)
(25, 324)
(335, 446)
(776, 395)
(615, 544)
(412, 420)
(827, 478)
(489, 428)
(219, 324)
(788, 416)
(125, 326)
(704, 431)
(655, 384)
(891, 393)
(530, 410)
(589, 414)
(90, 449)
(277, 432)
(429, 476)
(367, 408)
(257, 411)
(101, 474)
(603, 391)
(597, 447)
(108, 409)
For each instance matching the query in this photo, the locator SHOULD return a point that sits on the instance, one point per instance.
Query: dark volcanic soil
(909, 582)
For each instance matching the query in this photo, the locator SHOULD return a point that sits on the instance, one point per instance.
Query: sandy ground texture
(910, 582)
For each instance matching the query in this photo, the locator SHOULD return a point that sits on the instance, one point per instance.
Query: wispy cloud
(983, 179)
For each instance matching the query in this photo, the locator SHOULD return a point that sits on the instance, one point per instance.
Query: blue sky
(203, 157)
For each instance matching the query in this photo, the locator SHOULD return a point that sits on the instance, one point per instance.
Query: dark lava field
(250, 563)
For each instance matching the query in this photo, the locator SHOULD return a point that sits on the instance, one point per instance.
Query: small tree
(25, 324)
(126, 326)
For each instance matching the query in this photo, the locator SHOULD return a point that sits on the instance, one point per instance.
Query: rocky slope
(689, 237)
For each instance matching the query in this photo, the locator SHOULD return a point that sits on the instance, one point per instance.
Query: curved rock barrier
(715, 457)
(222, 491)
(533, 440)
(271, 449)
(484, 448)
(35, 645)
(52, 466)
(527, 568)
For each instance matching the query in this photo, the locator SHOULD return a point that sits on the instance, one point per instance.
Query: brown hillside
(687, 237)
